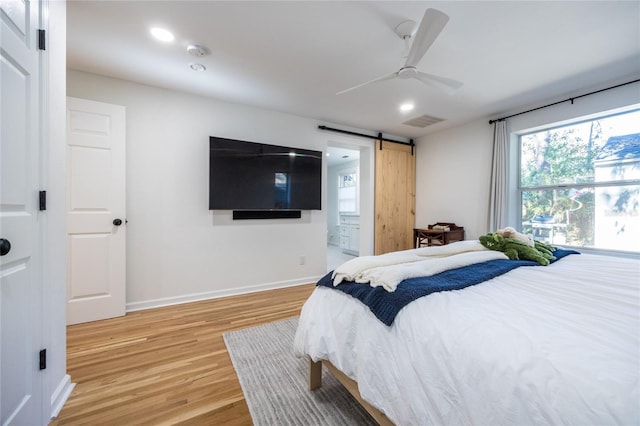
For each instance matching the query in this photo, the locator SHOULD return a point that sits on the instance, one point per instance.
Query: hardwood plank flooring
(167, 366)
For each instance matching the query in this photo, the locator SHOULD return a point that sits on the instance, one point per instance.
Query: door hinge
(42, 44)
(43, 200)
(43, 359)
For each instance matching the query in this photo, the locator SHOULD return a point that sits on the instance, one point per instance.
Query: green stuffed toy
(518, 250)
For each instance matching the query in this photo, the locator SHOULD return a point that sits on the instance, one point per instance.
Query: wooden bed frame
(315, 381)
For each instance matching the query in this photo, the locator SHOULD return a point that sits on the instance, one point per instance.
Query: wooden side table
(431, 236)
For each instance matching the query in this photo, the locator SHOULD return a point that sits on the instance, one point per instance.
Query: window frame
(515, 188)
(356, 186)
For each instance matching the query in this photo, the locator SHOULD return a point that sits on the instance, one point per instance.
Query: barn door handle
(117, 222)
(5, 246)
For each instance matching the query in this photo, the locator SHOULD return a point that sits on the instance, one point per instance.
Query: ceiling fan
(432, 24)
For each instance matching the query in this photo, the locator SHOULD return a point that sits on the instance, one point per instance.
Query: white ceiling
(293, 56)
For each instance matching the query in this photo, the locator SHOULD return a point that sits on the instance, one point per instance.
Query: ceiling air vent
(423, 121)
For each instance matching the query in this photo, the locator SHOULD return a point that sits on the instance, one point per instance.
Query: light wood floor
(168, 365)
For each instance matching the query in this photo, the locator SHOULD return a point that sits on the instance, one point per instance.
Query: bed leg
(315, 374)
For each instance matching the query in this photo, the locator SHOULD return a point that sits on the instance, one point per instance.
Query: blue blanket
(385, 306)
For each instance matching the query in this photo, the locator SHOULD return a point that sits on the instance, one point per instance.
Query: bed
(555, 344)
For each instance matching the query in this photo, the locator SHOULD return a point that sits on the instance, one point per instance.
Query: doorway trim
(367, 186)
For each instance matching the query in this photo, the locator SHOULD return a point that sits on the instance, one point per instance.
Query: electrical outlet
(302, 260)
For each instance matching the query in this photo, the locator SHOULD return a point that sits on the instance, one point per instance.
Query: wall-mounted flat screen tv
(255, 176)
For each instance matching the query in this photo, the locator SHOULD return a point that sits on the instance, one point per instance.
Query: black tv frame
(305, 167)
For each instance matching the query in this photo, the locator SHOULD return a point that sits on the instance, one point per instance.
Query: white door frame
(367, 181)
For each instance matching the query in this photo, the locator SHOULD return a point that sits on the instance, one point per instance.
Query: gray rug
(274, 381)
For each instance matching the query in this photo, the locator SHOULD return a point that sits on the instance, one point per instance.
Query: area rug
(275, 381)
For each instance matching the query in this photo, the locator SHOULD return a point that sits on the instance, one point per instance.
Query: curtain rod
(347, 132)
(566, 100)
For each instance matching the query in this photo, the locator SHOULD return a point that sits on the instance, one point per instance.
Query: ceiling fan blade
(384, 77)
(447, 85)
(432, 24)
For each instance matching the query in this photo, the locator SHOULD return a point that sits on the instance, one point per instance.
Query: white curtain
(498, 190)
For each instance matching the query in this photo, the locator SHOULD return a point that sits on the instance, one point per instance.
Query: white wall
(453, 166)
(453, 169)
(177, 250)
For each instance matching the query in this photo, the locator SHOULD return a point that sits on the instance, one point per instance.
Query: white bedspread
(539, 345)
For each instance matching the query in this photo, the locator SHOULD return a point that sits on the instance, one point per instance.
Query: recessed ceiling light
(198, 67)
(162, 34)
(406, 107)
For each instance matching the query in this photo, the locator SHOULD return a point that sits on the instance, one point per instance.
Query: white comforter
(538, 345)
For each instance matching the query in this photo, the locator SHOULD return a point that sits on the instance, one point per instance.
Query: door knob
(5, 246)
(117, 222)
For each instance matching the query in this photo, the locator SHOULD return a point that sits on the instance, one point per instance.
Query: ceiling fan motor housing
(406, 29)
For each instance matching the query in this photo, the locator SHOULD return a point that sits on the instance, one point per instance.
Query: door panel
(97, 248)
(15, 287)
(91, 278)
(89, 189)
(20, 276)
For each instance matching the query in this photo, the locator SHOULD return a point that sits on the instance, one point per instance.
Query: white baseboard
(216, 294)
(60, 395)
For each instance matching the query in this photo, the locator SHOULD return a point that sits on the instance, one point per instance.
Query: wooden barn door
(395, 176)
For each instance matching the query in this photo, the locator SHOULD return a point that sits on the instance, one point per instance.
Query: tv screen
(255, 176)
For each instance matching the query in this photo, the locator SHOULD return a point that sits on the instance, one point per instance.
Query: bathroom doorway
(343, 204)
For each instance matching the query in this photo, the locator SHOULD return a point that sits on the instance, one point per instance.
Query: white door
(96, 224)
(20, 263)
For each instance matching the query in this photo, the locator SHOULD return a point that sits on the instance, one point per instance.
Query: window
(282, 190)
(348, 192)
(580, 183)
